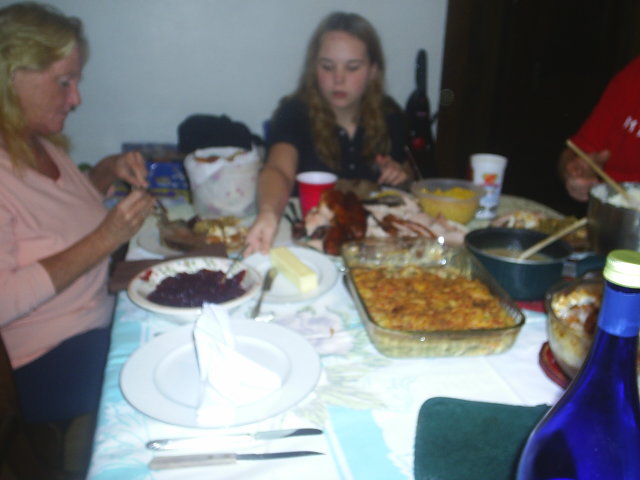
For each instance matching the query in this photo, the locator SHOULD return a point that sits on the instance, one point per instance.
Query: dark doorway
(520, 76)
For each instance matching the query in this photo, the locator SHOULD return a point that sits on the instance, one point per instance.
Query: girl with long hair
(338, 120)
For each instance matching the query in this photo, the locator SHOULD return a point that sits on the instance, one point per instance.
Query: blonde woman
(55, 235)
(339, 119)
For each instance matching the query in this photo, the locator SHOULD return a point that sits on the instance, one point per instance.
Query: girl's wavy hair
(32, 36)
(323, 122)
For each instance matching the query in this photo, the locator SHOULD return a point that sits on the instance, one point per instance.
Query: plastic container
(455, 199)
(572, 308)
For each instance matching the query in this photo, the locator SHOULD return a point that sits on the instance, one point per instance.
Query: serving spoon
(536, 247)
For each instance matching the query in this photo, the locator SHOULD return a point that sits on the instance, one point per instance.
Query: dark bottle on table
(593, 431)
(418, 113)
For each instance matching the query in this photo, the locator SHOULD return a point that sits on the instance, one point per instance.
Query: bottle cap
(623, 268)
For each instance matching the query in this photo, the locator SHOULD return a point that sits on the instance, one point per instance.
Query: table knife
(234, 438)
(203, 459)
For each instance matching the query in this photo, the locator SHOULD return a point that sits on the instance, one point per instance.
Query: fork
(235, 260)
(163, 211)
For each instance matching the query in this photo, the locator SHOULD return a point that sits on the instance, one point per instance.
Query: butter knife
(204, 459)
(266, 286)
(205, 441)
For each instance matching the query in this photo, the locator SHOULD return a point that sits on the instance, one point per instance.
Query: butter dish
(283, 290)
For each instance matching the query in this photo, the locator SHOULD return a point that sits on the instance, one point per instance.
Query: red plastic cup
(311, 185)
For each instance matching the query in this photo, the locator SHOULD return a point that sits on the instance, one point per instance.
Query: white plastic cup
(311, 185)
(488, 171)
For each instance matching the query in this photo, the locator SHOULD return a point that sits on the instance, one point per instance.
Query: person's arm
(275, 184)
(120, 224)
(392, 172)
(129, 167)
(24, 288)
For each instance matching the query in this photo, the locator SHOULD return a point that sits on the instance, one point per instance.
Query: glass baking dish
(428, 254)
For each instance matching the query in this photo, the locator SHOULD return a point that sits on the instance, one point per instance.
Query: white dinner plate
(282, 290)
(146, 282)
(161, 378)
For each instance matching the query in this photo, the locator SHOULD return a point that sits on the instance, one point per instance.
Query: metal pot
(527, 279)
(610, 226)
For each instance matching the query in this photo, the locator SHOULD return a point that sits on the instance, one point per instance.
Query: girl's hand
(261, 234)
(391, 172)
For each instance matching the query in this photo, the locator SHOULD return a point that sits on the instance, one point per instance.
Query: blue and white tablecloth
(367, 404)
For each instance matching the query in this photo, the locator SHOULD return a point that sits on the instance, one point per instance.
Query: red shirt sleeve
(614, 125)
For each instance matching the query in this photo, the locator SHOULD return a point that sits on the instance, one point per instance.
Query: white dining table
(366, 404)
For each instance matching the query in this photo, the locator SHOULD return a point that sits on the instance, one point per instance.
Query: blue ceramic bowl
(527, 279)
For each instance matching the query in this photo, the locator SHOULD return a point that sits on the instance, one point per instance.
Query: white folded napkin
(229, 378)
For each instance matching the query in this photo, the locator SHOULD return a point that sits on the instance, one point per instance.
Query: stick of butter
(305, 279)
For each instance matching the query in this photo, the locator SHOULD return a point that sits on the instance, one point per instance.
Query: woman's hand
(391, 172)
(578, 176)
(261, 234)
(126, 217)
(129, 167)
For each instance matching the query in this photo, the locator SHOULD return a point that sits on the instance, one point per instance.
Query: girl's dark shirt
(291, 124)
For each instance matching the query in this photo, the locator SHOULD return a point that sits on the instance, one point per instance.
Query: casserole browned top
(415, 298)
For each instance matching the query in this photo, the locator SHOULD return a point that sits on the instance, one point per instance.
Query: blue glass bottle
(593, 431)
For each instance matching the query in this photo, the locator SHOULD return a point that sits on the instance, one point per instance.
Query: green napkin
(464, 440)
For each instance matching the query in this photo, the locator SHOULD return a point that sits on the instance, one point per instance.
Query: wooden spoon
(615, 185)
(552, 238)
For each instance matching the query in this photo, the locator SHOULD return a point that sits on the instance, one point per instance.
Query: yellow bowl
(454, 199)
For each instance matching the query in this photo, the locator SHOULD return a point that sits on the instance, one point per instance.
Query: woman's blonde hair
(32, 36)
(323, 122)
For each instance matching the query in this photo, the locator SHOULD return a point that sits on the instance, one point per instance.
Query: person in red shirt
(610, 135)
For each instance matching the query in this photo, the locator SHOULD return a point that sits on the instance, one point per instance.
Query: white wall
(154, 62)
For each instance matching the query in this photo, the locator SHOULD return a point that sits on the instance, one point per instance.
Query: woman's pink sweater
(38, 218)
